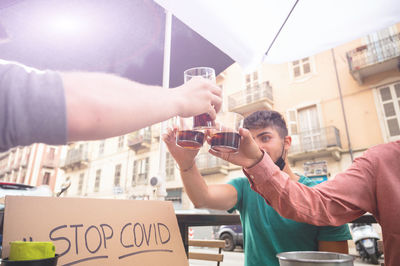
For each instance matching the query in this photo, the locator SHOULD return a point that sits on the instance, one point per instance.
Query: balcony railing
(139, 140)
(376, 57)
(76, 158)
(249, 100)
(316, 143)
(208, 164)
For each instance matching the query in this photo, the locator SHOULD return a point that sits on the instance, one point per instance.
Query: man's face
(268, 139)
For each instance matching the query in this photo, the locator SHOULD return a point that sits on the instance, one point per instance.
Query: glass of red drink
(225, 135)
(187, 137)
(202, 121)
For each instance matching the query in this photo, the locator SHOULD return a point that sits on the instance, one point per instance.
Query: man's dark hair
(263, 119)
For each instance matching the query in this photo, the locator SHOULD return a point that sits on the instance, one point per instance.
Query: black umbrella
(120, 36)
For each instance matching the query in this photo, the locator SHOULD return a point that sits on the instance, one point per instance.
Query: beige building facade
(337, 104)
(35, 165)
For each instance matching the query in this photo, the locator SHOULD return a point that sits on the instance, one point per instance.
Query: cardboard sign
(97, 231)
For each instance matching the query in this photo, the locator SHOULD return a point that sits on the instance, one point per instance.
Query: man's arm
(102, 105)
(335, 202)
(219, 197)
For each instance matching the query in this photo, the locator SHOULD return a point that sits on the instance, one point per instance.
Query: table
(187, 220)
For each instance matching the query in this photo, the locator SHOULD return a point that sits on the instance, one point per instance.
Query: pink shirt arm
(335, 202)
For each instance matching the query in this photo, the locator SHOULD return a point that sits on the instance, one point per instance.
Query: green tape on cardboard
(20, 250)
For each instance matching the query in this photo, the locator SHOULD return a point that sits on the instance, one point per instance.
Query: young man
(370, 184)
(265, 232)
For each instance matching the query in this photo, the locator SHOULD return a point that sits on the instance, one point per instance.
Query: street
(236, 258)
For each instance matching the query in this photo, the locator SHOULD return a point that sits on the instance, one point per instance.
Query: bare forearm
(217, 196)
(103, 105)
(195, 187)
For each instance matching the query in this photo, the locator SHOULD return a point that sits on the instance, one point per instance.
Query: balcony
(250, 100)
(322, 142)
(374, 58)
(139, 140)
(49, 162)
(76, 158)
(208, 164)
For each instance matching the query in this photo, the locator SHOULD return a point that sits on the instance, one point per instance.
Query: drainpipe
(342, 104)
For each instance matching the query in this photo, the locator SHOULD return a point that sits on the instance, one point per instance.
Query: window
(80, 184)
(169, 167)
(301, 67)
(46, 178)
(175, 195)
(121, 140)
(252, 87)
(101, 147)
(291, 118)
(135, 163)
(145, 133)
(309, 128)
(389, 97)
(141, 171)
(51, 153)
(97, 181)
(251, 80)
(304, 128)
(117, 175)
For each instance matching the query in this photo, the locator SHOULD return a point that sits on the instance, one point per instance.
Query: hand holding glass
(202, 121)
(225, 136)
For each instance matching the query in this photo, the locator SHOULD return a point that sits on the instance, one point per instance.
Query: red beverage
(190, 139)
(227, 142)
(203, 121)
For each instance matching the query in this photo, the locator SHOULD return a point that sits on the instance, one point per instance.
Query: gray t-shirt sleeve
(32, 107)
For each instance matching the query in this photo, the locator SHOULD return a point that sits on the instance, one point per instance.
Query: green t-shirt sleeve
(328, 233)
(237, 183)
(334, 233)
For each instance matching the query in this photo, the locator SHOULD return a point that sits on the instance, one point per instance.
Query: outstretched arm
(335, 202)
(102, 105)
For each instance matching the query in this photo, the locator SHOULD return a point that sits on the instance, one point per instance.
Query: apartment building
(336, 103)
(33, 165)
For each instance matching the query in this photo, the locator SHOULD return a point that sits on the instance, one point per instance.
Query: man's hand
(198, 96)
(249, 153)
(183, 157)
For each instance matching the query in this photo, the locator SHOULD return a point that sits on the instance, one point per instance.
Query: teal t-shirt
(266, 233)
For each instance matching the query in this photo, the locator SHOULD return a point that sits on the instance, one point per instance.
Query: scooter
(366, 240)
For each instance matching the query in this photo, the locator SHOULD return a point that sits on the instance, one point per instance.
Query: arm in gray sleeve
(32, 107)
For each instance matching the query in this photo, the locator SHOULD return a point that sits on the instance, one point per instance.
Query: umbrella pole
(161, 186)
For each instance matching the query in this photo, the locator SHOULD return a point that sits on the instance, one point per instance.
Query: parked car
(232, 235)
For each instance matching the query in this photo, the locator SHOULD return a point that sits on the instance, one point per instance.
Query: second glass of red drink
(225, 136)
